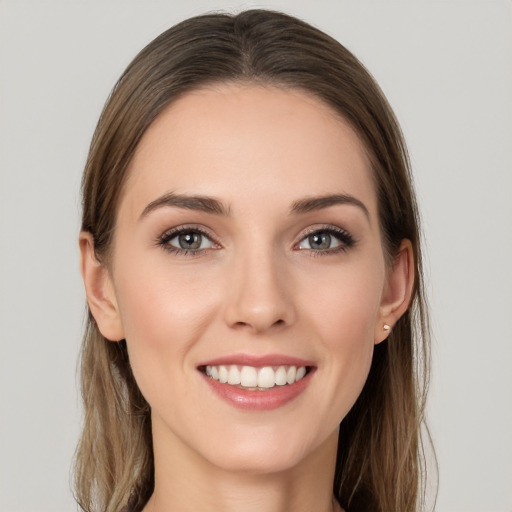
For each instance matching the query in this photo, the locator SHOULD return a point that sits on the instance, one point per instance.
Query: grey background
(446, 68)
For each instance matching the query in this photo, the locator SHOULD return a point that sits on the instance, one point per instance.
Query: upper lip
(257, 361)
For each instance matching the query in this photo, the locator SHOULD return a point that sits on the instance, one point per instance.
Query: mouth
(255, 378)
(257, 383)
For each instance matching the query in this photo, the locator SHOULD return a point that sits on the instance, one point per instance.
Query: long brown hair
(380, 461)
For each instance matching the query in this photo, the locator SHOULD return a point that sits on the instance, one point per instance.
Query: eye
(190, 240)
(185, 241)
(328, 240)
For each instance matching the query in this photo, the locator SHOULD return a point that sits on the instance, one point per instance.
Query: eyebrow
(310, 204)
(198, 203)
(214, 206)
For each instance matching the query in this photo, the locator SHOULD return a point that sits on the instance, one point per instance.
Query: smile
(257, 383)
(254, 378)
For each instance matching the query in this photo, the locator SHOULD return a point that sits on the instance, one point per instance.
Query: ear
(99, 290)
(397, 293)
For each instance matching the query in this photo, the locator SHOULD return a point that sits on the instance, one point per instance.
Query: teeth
(300, 373)
(223, 374)
(250, 377)
(266, 377)
(290, 375)
(281, 376)
(233, 375)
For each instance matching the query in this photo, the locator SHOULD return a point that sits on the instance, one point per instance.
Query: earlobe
(398, 291)
(99, 290)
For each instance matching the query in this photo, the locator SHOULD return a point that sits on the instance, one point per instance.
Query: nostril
(278, 322)
(240, 324)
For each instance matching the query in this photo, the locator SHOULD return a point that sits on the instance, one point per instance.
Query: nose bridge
(258, 296)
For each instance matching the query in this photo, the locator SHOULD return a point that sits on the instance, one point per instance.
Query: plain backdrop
(446, 67)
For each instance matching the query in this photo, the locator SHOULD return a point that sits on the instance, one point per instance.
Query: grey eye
(190, 241)
(320, 241)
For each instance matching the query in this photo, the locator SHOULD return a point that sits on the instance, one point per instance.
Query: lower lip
(256, 400)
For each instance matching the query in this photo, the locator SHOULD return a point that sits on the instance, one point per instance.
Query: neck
(186, 482)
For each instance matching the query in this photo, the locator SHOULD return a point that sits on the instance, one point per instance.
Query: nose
(259, 292)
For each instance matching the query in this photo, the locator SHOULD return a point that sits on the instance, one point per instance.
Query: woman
(251, 258)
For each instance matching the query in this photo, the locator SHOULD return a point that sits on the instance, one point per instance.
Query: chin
(258, 464)
(270, 453)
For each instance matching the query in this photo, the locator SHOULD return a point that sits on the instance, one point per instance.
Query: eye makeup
(190, 240)
(186, 241)
(326, 240)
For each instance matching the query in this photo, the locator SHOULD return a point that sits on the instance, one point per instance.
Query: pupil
(320, 241)
(190, 240)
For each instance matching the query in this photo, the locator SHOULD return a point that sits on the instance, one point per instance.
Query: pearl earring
(387, 327)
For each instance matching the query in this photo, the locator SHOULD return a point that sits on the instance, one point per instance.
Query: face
(248, 275)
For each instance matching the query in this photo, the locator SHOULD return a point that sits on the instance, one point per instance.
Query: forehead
(240, 142)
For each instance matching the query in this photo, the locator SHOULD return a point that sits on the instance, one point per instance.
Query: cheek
(158, 299)
(346, 304)
(164, 312)
(345, 316)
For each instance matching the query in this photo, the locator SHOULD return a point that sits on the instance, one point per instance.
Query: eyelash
(165, 238)
(346, 240)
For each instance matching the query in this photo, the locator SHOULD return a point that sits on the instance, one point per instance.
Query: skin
(257, 288)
